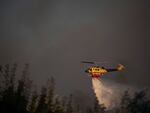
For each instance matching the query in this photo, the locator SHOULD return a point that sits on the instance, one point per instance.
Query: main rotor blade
(88, 62)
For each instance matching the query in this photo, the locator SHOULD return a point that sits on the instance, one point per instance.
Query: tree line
(19, 96)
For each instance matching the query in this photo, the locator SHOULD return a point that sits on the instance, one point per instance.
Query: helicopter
(97, 71)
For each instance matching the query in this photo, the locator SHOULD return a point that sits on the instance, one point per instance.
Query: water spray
(104, 94)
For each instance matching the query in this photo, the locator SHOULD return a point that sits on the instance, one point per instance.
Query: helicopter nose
(86, 71)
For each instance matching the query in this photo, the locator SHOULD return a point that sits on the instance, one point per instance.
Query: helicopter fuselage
(96, 72)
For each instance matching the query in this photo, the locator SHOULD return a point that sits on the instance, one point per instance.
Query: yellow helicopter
(97, 71)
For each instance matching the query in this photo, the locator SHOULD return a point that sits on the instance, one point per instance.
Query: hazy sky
(55, 35)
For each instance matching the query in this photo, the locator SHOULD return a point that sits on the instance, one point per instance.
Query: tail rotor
(120, 67)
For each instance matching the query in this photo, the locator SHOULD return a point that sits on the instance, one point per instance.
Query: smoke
(108, 93)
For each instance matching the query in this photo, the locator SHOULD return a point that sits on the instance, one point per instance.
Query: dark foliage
(17, 96)
(139, 103)
(99, 108)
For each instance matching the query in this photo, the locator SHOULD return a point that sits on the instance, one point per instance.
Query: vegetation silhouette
(18, 96)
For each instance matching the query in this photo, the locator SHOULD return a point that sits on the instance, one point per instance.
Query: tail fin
(120, 67)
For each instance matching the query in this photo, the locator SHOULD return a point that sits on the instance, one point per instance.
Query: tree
(14, 98)
(42, 106)
(50, 94)
(139, 103)
(98, 108)
(58, 107)
(23, 91)
(33, 103)
(126, 99)
(69, 108)
(7, 91)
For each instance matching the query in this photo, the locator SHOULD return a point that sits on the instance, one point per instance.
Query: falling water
(105, 95)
